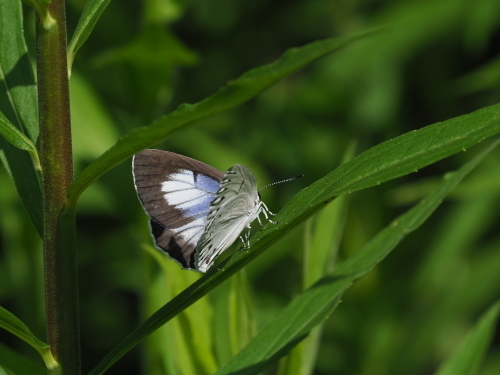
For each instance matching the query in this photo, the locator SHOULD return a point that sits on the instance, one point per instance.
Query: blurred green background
(439, 59)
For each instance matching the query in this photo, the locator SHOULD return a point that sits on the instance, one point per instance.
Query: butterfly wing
(176, 192)
(230, 212)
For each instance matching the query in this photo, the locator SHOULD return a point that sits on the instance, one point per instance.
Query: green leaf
(329, 223)
(14, 325)
(18, 364)
(18, 102)
(18, 139)
(468, 357)
(320, 252)
(241, 322)
(234, 321)
(168, 348)
(235, 92)
(460, 229)
(319, 301)
(385, 161)
(191, 334)
(86, 23)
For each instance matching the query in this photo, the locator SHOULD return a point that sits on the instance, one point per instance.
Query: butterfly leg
(258, 218)
(266, 211)
(245, 238)
(242, 238)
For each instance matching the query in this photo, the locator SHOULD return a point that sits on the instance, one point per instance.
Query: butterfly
(196, 211)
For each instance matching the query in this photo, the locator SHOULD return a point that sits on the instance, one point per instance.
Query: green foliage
(321, 246)
(17, 364)
(317, 303)
(468, 357)
(15, 326)
(186, 115)
(18, 104)
(90, 16)
(42, 7)
(388, 160)
(18, 139)
(403, 313)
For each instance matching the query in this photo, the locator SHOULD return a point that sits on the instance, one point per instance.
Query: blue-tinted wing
(176, 192)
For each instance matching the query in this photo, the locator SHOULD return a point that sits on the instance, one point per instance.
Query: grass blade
(191, 335)
(234, 93)
(318, 302)
(86, 23)
(327, 233)
(14, 325)
(320, 252)
(390, 159)
(241, 322)
(18, 103)
(467, 359)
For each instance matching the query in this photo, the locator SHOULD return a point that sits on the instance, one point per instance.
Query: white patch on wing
(186, 194)
(179, 180)
(185, 175)
(180, 188)
(192, 231)
(185, 198)
(171, 185)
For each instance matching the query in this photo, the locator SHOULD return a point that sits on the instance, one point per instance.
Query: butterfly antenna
(279, 182)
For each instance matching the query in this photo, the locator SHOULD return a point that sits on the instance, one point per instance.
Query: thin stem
(61, 288)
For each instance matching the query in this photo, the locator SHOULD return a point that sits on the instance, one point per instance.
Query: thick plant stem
(61, 288)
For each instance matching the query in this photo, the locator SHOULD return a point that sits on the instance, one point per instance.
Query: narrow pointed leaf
(86, 23)
(18, 139)
(319, 301)
(14, 325)
(18, 103)
(383, 162)
(186, 115)
(467, 359)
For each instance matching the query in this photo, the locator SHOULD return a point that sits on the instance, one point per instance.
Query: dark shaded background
(438, 60)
